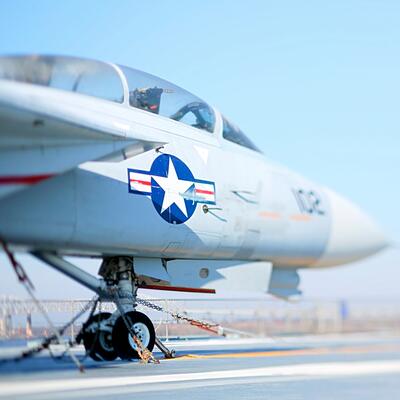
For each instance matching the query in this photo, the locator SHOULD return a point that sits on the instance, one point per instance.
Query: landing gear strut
(128, 325)
(126, 332)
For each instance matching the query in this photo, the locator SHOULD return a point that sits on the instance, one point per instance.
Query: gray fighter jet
(101, 160)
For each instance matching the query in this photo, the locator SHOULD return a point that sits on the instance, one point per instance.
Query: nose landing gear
(124, 344)
(105, 337)
(126, 332)
(97, 337)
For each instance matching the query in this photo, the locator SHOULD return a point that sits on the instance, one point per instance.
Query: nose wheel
(97, 338)
(122, 340)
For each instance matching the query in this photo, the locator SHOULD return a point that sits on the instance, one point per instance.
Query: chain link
(57, 333)
(19, 270)
(144, 353)
(208, 326)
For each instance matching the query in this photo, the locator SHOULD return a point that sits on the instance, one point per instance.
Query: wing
(45, 133)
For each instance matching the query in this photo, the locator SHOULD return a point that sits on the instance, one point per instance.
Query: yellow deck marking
(293, 353)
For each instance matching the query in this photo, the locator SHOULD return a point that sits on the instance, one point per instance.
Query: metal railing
(259, 316)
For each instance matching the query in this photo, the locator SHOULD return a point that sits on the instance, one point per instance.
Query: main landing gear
(126, 333)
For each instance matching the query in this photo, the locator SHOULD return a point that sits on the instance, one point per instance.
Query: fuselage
(192, 193)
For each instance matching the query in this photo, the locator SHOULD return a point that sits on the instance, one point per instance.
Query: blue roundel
(172, 186)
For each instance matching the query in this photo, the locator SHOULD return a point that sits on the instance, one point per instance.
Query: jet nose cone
(354, 235)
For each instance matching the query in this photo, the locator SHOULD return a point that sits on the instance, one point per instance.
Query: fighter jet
(101, 160)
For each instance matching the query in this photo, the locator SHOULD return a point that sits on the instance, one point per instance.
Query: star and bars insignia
(172, 188)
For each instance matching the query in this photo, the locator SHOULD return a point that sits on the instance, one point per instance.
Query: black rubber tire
(120, 335)
(93, 341)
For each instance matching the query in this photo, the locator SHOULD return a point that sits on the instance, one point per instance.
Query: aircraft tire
(123, 342)
(98, 343)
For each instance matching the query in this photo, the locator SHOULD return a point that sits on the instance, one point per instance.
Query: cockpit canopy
(158, 96)
(92, 78)
(102, 80)
(234, 134)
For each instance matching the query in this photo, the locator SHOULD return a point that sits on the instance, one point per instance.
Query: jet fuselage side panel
(256, 215)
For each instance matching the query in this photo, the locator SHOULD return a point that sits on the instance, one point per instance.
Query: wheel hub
(142, 333)
(105, 340)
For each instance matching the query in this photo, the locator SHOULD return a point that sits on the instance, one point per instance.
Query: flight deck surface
(323, 367)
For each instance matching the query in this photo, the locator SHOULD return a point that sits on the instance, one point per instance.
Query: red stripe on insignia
(141, 182)
(23, 180)
(204, 191)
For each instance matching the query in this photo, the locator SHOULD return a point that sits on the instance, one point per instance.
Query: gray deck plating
(345, 367)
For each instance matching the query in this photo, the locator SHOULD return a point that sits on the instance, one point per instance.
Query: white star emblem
(173, 188)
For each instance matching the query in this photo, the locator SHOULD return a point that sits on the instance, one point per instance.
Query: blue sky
(315, 84)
